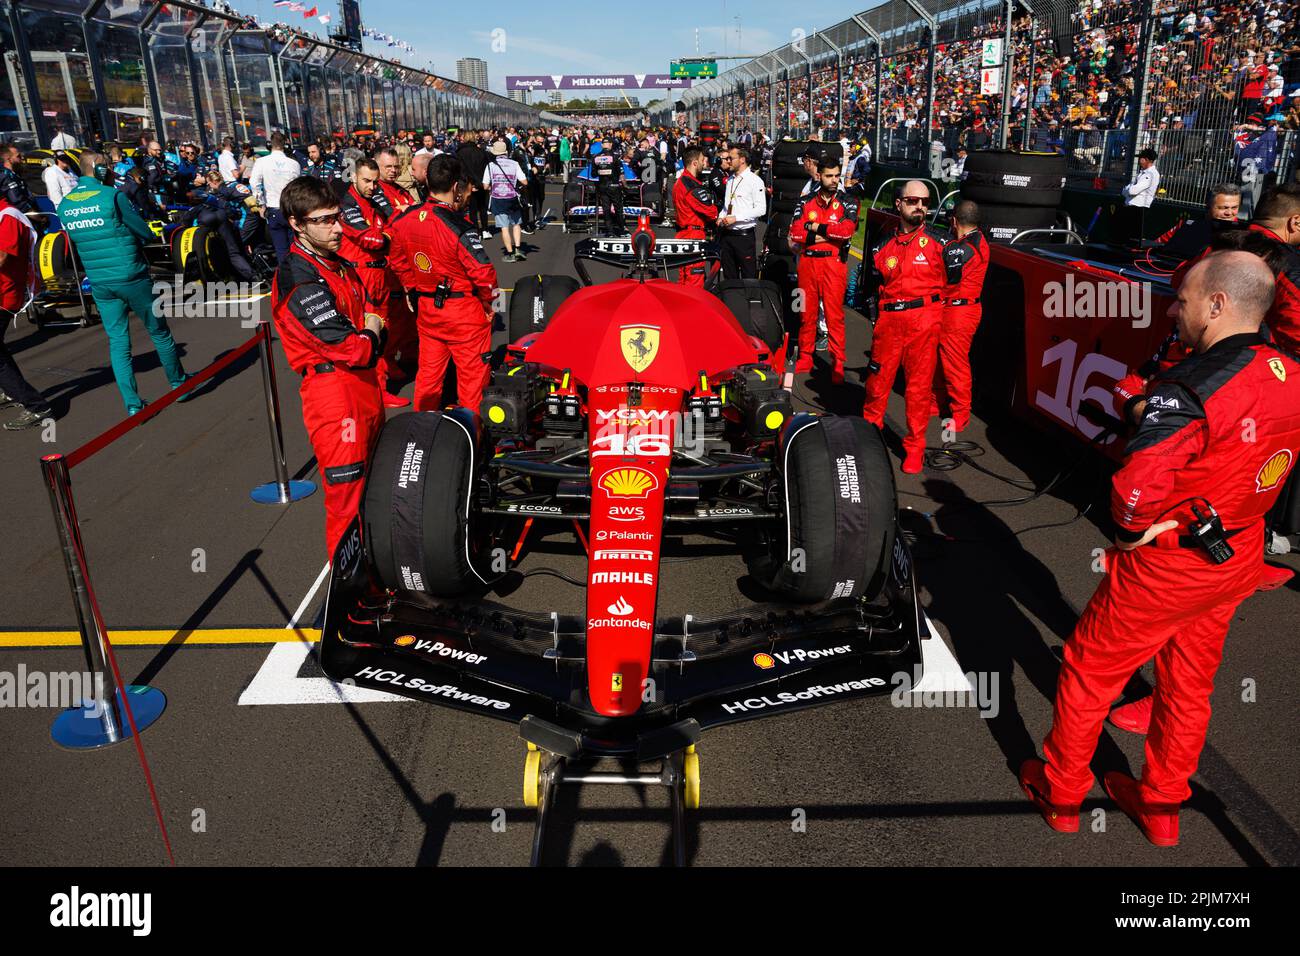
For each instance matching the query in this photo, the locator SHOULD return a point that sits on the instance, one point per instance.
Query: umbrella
(654, 332)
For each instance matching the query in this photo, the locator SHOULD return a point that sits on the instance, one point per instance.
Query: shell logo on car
(764, 662)
(629, 483)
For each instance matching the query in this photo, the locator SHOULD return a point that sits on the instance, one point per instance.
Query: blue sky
(564, 36)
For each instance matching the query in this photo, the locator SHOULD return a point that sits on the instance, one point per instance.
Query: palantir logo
(76, 909)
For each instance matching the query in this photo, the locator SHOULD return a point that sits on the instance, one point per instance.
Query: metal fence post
(1008, 65)
(1142, 90)
(95, 721)
(281, 491)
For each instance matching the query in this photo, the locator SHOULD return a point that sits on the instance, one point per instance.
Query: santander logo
(620, 607)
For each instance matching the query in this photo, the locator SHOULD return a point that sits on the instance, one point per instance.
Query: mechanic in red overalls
(908, 275)
(402, 337)
(364, 212)
(1277, 217)
(332, 337)
(1167, 592)
(822, 228)
(966, 260)
(695, 207)
(438, 257)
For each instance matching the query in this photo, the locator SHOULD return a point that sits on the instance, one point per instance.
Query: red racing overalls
(695, 208)
(823, 270)
(365, 244)
(909, 277)
(1222, 427)
(965, 260)
(402, 337)
(319, 307)
(434, 245)
(1283, 319)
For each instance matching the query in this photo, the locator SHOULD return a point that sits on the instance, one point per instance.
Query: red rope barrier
(125, 691)
(153, 408)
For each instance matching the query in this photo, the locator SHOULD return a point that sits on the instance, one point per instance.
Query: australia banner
(598, 81)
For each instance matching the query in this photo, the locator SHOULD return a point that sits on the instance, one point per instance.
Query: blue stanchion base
(269, 493)
(82, 728)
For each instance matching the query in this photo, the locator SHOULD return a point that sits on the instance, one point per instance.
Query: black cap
(60, 154)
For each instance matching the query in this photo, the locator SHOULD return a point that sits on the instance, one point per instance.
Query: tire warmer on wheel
(851, 518)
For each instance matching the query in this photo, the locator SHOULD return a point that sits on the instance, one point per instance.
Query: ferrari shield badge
(640, 345)
(922, 242)
(1278, 368)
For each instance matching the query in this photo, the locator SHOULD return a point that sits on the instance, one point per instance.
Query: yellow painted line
(855, 252)
(234, 635)
(240, 301)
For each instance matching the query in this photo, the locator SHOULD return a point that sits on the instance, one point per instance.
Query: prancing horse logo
(640, 345)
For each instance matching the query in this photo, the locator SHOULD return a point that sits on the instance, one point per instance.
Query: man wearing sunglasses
(332, 336)
(907, 272)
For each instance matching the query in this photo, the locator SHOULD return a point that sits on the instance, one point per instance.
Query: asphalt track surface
(404, 783)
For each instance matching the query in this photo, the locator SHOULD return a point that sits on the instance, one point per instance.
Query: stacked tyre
(709, 132)
(1015, 191)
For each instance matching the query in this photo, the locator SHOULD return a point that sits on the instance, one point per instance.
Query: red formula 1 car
(639, 410)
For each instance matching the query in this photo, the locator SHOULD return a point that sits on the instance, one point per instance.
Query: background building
(519, 96)
(473, 72)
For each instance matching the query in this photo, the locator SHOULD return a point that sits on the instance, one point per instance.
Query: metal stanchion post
(282, 490)
(96, 721)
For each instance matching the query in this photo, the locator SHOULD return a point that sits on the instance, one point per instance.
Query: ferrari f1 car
(635, 411)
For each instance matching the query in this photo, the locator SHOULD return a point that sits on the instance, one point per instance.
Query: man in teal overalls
(108, 235)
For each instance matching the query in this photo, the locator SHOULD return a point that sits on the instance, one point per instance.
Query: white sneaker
(486, 234)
